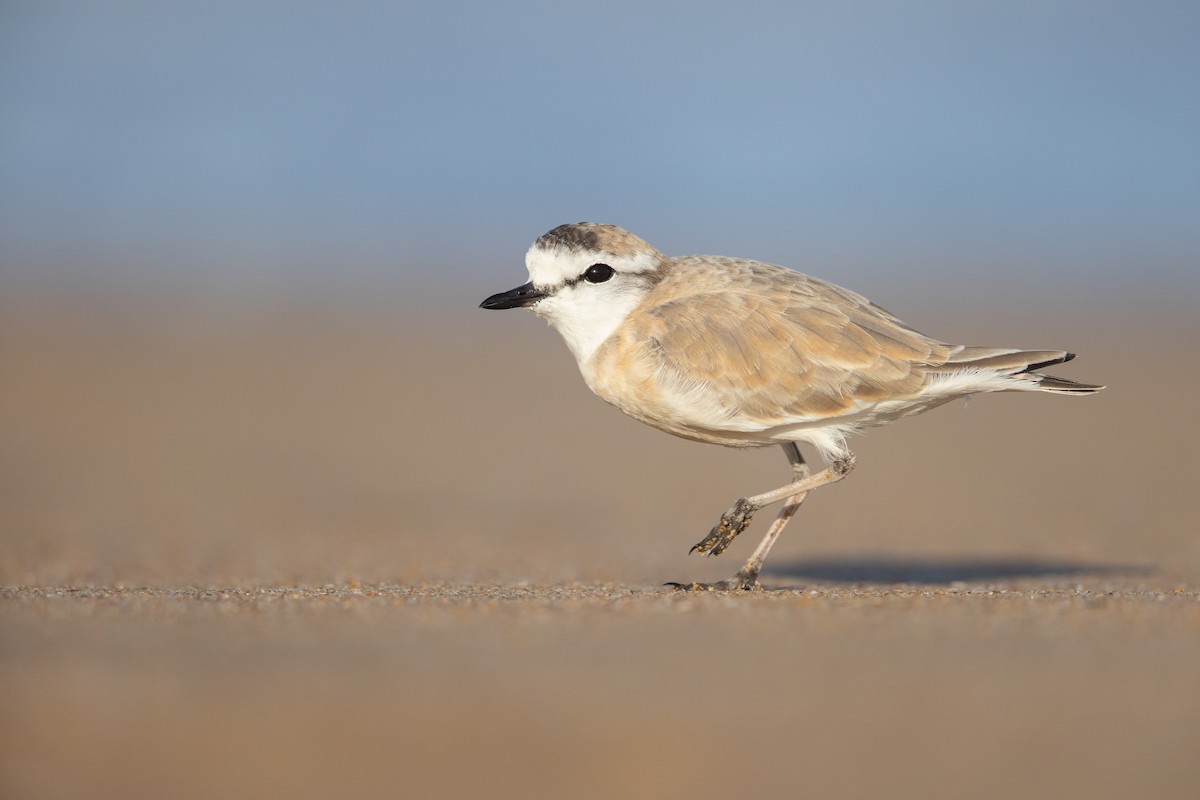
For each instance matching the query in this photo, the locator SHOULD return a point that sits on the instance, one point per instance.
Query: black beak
(514, 298)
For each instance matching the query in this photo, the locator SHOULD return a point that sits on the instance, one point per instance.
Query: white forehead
(553, 266)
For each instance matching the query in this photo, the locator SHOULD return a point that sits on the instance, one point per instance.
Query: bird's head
(584, 279)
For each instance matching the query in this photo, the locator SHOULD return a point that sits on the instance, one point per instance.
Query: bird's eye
(598, 273)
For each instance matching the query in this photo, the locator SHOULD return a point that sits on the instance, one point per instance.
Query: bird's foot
(733, 522)
(737, 584)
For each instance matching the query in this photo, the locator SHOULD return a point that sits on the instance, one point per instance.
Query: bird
(743, 353)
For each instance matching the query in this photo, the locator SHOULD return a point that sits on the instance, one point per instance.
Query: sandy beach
(312, 551)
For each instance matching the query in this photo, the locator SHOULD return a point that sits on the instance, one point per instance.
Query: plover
(747, 354)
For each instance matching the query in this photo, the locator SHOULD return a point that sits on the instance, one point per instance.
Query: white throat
(586, 314)
(583, 322)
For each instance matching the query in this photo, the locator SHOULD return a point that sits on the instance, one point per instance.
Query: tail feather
(1049, 383)
(1021, 364)
(1007, 359)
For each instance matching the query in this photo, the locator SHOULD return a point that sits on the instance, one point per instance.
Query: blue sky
(364, 142)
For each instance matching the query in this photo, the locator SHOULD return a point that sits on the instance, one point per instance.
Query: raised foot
(731, 585)
(733, 522)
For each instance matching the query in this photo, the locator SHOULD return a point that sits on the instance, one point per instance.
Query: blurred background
(355, 147)
(282, 510)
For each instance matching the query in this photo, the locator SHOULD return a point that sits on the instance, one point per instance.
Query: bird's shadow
(892, 569)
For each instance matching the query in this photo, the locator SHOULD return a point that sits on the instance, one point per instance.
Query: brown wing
(777, 346)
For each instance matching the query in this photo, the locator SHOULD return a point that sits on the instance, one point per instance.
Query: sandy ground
(302, 551)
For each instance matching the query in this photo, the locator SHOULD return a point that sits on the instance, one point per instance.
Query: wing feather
(771, 347)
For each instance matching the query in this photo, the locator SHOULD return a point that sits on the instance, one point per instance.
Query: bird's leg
(747, 576)
(737, 519)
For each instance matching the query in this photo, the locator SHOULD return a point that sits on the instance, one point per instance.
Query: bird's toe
(732, 523)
